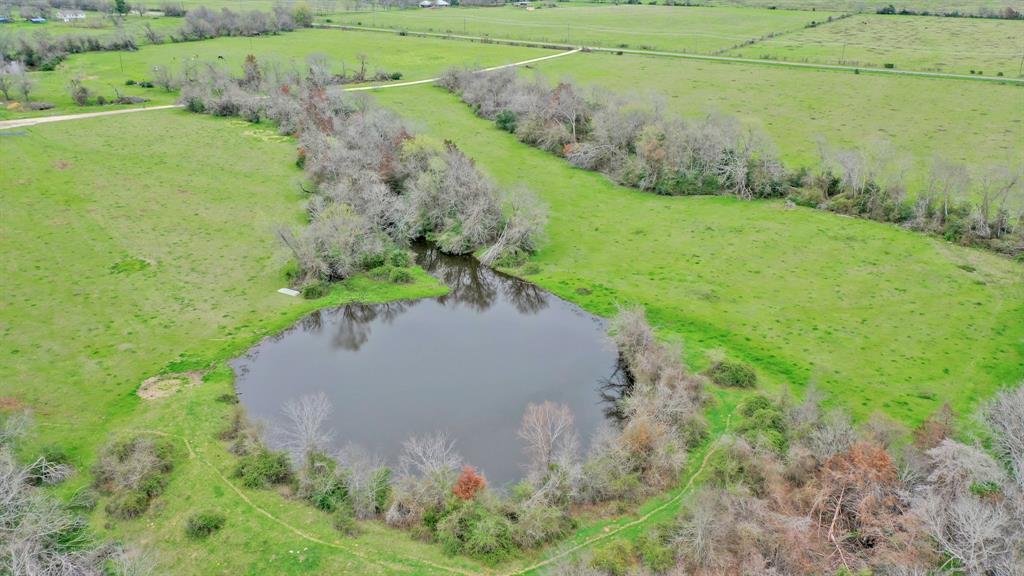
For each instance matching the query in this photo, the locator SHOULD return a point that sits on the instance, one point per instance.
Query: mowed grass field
(880, 318)
(416, 58)
(934, 44)
(672, 28)
(971, 122)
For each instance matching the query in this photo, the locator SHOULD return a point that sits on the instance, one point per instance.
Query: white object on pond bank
(288, 292)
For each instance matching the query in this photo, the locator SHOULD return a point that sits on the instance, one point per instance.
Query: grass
(970, 122)
(879, 317)
(415, 58)
(933, 44)
(81, 331)
(682, 29)
(934, 6)
(95, 24)
(134, 251)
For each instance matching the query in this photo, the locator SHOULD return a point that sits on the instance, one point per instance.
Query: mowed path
(26, 122)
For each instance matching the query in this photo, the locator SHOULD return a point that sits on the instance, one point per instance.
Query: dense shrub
(203, 524)
(263, 468)
(473, 529)
(133, 471)
(733, 374)
(762, 423)
(615, 559)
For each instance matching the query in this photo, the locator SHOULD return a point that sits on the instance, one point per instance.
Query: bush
(655, 552)
(400, 276)
(763, 423)
(399, 259)
(134, 470)
(345, 522)
(506, 120)
(128, 505)
(732, 374)
(203, 524)
(472, 529)
(264, 468)
(615, 559)
(315, 290)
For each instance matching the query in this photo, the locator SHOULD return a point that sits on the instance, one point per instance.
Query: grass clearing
(971, 122)
(416, 58)
(879, 317)
(673, 28)
(932, 44)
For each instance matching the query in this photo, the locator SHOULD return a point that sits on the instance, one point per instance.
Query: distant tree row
(635, 143)
(41, 51)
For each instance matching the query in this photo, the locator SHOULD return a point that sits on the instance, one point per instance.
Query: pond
(467, 363)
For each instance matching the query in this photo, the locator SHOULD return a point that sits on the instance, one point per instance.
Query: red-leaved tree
(469, 483)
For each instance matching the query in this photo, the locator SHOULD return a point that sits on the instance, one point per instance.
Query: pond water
(467, 363)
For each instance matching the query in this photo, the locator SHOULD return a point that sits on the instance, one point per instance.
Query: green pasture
(145, 243)
(933, 44)
(95, 24)
(672, 28)
(880, 318)
(971, 122)
(935, 6)
(416, 58)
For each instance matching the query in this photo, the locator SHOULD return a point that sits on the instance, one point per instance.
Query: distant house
(441, 3)
(426, 4)
(6, 19)
(70, 15)
(37, 20)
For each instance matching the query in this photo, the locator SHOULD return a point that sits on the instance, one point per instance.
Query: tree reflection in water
(470, 284)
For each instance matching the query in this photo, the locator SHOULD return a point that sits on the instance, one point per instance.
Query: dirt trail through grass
(633, 523)
(26, 122)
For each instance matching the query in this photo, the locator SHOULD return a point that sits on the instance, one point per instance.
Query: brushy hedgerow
(377, 186)
(634, 143)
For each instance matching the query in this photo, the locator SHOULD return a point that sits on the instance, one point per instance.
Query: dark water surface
(467, 363)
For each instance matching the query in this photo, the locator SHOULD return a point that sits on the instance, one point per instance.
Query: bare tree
(152, 35)
(364, 479)
(305, 433)
(523, 226)
(9, 73)
(24, 83)
(1005, 416)
(549, 432)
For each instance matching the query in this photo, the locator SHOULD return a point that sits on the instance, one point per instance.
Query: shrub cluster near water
(437, 496)
(377, 186)
(798, 490)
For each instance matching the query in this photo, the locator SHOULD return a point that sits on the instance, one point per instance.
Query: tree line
(376, 185)
(636, 143)
(41, 51)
